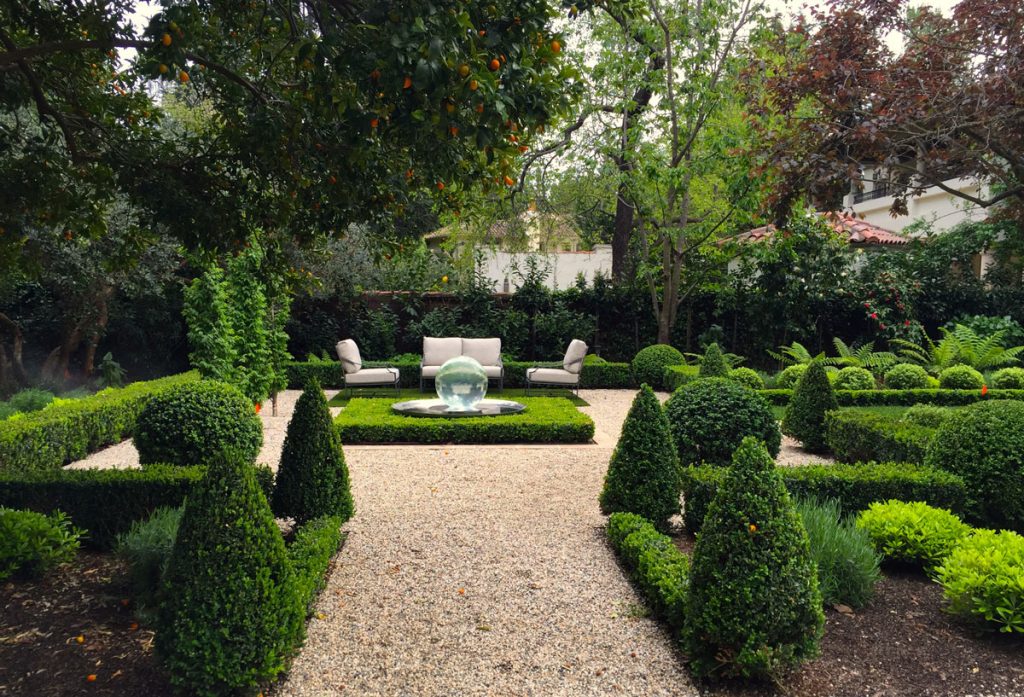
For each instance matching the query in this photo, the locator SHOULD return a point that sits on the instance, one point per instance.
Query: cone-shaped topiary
(649, 363)
(713, 363)
(805, 414)
(231, 616)
(643, 475)
(754, 608)
(312, 480)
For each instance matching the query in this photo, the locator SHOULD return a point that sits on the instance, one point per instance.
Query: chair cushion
(552, 376)
(430, 371)
(348, 354)
(373, 376)
(437, 350)
(485, 351)
(574, 356)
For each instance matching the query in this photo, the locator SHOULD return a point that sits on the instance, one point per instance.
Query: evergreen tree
(312, 480)
(643, 475)
(248, 302)
(210, 333)
(713, 363)
(231, 616)
(754, 607)
(805, 414)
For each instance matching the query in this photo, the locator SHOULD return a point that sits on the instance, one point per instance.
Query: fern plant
(862, 356)
(959, 346)
(795, 354)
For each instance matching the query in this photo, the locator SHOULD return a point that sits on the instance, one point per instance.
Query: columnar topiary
(754, 608)
(713, 363)
(190, 424)
(984, 445)
(643, 475)
(709, 417)
(788, 378)
(231, 616)
(649, 363)
(854, 378)
(312, 480)
(1009, 379)
(805, 414)
(961, 377)
(906, 376)
(747, 377)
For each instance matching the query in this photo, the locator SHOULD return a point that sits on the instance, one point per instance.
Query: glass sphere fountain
(461, 386)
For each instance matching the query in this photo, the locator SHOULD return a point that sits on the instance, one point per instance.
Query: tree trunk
(620, 238)
(18, 374)
(102, 306)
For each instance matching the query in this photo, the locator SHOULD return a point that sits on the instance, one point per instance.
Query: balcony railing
(881, 189)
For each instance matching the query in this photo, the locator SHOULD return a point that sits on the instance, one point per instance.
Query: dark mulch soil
(40, 626)
(901, 645)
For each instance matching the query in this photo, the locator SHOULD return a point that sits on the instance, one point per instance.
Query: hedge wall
(901, 398)
(545, 420)
(105, 502)
(856, 436)
(57, 435)
(678, 375)
(328, 373)
(310, 553)
(854, 486)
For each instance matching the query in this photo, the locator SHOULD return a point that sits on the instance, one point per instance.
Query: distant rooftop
(855, 231)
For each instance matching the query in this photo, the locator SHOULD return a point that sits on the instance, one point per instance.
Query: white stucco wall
(562, 267)
(934, 206)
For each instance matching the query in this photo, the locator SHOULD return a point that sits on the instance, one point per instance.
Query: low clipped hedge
(310, 553)
(545, 420)
(53, 437)
(678, 375)
(105, 502)
(655, 564)
(901, 398)
(854, 486)
(855, 436)
(329, 374)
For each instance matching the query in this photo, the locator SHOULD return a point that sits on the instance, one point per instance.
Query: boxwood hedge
(545, 420)
(857, 436)
(57, 435)
(901, 398)
(854, 486)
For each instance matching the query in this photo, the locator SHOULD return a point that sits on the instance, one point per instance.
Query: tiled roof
(856, 231)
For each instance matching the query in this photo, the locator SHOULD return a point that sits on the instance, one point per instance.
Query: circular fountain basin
(439, 408)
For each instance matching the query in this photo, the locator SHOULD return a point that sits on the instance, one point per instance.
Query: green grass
(545, 420)
(883, 411)
(342, 399)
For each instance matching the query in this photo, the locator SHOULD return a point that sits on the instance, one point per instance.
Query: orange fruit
(482, 32)
(91, 677)
(494, 64)
(473, 84)
(374, 122)
(509, 181)
(183, 76)
(449, 107)
(463, 70)
(523, 148)
(163, 69)
(166, 40)
(408, 174)
(556, 46)
(440, 186)
(454, 130)
(480, 108)
(407, 83)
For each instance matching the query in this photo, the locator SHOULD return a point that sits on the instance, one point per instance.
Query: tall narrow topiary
(805, 414)
(643, 475)
(754, 607)
(312, 480)
(231, 615)
(713, 363)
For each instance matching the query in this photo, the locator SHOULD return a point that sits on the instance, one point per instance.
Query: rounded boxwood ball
(984, 445)
(1009, 379)
(961, 377)
(906, 376)
(853, 378)
(192, 424)
(710, 417)
(649, 364)
(788, 378)
(747, 377)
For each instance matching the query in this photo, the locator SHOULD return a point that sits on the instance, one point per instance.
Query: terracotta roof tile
(856, 231)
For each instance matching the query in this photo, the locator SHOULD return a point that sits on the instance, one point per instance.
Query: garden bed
(545, 420)
(901, 643)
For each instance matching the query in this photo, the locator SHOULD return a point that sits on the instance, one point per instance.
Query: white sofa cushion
(373, 376)
(437, 350)
(430, 371)
(574, 356)
(552, 376)
(485, 351)
(348, 354)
